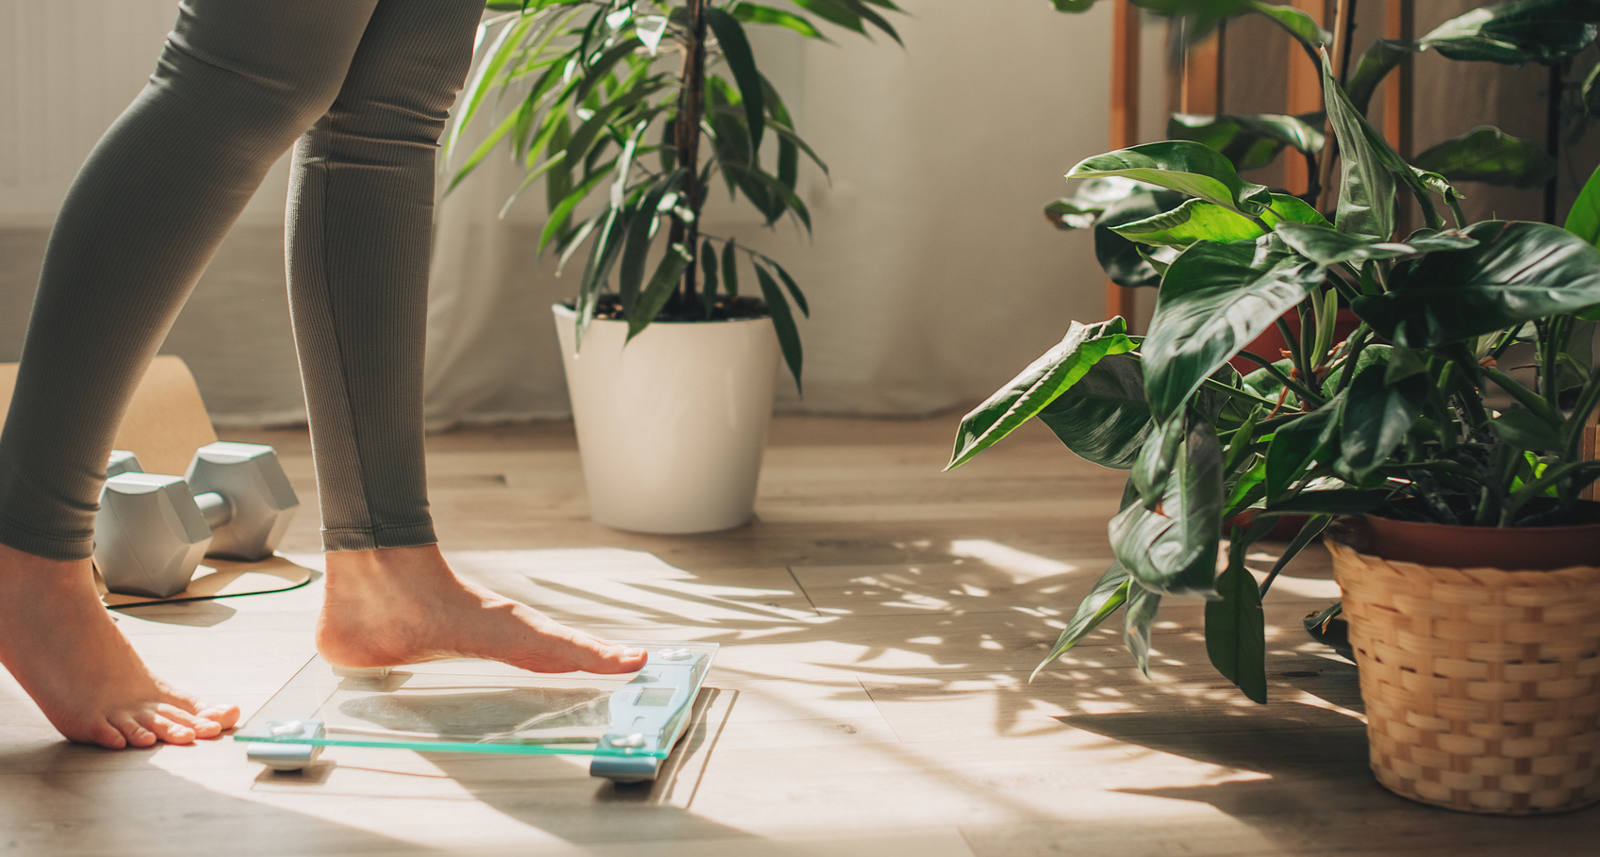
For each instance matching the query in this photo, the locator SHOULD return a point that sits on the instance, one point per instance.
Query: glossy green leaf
(1045, 379)
(1110, 592)
(1366, 186)
(708, 274)
(1517, 32)
(1248, 141)
(834, 12)
(1104, 418)
(1583, 219)
(795, 294)
(1089, 200)
(1172, 547)
(1327, 246)
(1214, 300)
(1294, 448)
(1072, 6)
(1298, 23)
(783, 323)
(1236, 629)
(1377, 414)
(1120, 258)
(1518, 272)
(741, 60)
(1197, 220)
(1158, 456)
(1490, 155)
(640, 234)
(1382, 57)
(1180, 165)
(1137, 619)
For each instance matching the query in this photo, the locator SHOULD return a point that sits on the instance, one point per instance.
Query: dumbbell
(152, 530)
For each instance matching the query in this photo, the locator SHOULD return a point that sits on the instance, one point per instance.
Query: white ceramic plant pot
(672, 427)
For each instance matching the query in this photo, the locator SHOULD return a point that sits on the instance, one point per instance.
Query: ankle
(383, 563)
(22, 569)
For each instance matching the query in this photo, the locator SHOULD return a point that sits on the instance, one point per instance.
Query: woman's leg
(236, 83)
(360, 227)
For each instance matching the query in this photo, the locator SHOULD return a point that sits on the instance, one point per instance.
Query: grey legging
(365, 85)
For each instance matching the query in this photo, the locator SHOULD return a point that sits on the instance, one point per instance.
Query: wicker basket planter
(1482, 685)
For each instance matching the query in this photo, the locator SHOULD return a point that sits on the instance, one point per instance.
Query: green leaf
(753, 13)
(1120, 258)
(1584, 218)
(1141, 613)
(1526, 430)
(1521, 31)
(1214, 300)
(1377, 414)
(730, 269)
(1180, 165)
(641, 231)
(708, 271)
(1200, 15)
(1196, 220)
(669, 273)
(1104, 417)
(1193, 221)
(1590, 90)
(1299, 24)
(1172, 548)
(783, 322)
(1092, 198)
(563, 210)
(1072, 6)
(1374, 65)
(1248, 141)
(1490, 155)
(795, 294)
(1294, 448)
(1046, 378)
(1110, 592)
(1236, 628)
(1327, 246)
(835, 12)
(1518, 272)
(736, 50)
(1156, 460)
(1366, 186)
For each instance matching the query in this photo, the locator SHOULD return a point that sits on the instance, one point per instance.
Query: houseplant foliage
(1394, 418)
(630, 111)
(1549, 32)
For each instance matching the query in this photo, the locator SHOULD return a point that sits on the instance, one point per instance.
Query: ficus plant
(1554, 33)
(630, 112)
(1411, 416)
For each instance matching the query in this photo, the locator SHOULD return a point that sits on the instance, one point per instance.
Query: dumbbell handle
(216, 508)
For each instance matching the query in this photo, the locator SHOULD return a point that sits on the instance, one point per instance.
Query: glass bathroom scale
(627, 724)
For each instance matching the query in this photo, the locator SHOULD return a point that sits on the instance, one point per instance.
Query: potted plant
(1481, 683)
(630, 111)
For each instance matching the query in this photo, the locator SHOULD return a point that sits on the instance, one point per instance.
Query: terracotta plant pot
(1479, 658)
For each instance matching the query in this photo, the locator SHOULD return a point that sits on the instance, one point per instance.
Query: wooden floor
(878, 624)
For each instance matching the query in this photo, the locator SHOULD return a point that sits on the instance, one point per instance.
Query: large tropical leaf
(1490, 155)
(1366, 186)
(1518, 272)
(1299, 24)
(1084, 206)
(1372, 67)
(1214, 300)
(1046, 378)
(1518, 32)
(1236, 628)
(1197, 220)
(1110, 592)
(1181, 165)
(1377, 414)
(1140, 615)
(1104, 417)
(1172, 547)
(1121, 259)
(1251, 140)
(1295, 447)
(1583, 220)
(1326, 246)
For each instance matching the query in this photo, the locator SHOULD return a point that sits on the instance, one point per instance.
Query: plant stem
(1235, 392)
(686, 138)
(1272, 369)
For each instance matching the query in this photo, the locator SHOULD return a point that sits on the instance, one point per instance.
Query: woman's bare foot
(58, 641)
(404, 605)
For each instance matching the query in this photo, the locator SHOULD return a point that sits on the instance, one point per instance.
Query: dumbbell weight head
(257, 491)
(149, 535)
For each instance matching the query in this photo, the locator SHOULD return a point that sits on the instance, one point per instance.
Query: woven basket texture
(1482, 686)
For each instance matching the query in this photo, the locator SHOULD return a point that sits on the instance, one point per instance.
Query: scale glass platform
(628, 724)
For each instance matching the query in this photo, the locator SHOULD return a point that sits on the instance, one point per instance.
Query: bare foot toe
(58, 641)
(405, 605)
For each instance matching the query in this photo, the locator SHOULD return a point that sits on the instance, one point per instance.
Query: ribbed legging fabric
(365, 86)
